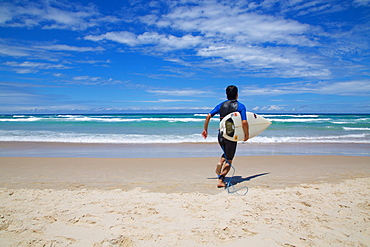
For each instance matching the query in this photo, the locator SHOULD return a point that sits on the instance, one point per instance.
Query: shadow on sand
(239, 179)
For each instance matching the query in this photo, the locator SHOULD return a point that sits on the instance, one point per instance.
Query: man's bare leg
(224, 172)
(220, 165)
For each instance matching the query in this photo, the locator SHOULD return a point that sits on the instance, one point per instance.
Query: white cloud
(265, 91)
(97, 81)
(232, 37)
(248, 38)
(247, 41)
(362, 2)
(300, 7)
(184, 92)
(360, 88)
(253, 55)
(15, 84)
(175, 43)
(269, 108)
(161, 41)
(120, 37)
(94, 61)
(165, 101)
(265, 61)
(14, 95)
(45, 52)
(51, 15)
(33, 67)
(345, 88)
(13, 50)
(233, 42)
(226, 22)
(273, 108)
(69, 48)
(25, 71)
(83, 78)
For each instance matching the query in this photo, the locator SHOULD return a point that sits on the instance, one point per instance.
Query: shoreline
(171, 175)
(177, 150)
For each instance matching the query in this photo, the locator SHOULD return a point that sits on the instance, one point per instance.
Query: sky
(119, 56)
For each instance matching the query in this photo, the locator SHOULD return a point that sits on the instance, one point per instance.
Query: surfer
(228, 147)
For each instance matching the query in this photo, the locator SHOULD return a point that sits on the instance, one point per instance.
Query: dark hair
(231, 92)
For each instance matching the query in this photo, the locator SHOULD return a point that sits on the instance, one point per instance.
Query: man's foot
(221, 184)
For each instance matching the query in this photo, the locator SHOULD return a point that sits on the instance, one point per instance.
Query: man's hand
(246, 137)
(205, 134)
(246, 130)
(206, 122)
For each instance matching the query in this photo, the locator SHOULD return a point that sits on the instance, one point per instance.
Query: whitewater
(178, 128)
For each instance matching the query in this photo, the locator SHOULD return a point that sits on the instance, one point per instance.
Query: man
(228, 147)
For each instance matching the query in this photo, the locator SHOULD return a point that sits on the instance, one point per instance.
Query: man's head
(232, 92)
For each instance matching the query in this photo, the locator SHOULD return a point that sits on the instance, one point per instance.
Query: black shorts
(227, 146)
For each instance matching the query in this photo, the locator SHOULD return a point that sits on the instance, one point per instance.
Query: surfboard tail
(231, 126)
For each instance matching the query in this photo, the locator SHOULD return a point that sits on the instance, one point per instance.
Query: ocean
(177, 130)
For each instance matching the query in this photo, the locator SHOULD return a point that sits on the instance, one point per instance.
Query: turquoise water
(178, 128)
(181, 128)
(177, 135)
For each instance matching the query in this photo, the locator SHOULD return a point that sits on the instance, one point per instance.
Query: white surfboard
(232, 129)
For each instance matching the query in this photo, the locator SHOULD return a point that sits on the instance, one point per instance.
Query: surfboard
(231, 126)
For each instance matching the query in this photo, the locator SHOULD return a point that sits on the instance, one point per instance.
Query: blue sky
(132, 55)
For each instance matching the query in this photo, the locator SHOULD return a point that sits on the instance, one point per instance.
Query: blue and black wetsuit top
(229, 106)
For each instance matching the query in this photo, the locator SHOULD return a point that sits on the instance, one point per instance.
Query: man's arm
(246, 129)
(206, 122)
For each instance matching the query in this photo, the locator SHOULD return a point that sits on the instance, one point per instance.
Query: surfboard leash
(229, 184)
(231, 188)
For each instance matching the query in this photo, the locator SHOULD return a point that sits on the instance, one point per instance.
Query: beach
(149, 180)
(292, 200)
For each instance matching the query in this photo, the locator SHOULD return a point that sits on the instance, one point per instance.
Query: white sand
(306, 215)
(333, 210)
